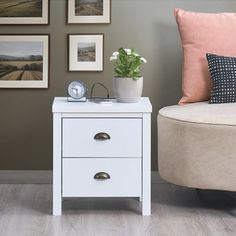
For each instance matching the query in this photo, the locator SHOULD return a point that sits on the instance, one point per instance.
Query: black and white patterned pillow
(223, 74)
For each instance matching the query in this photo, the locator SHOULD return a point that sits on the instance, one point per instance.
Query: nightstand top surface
(61, 105)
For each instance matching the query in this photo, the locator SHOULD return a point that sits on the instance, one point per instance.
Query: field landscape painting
(88, 7)
(86, 51)
(89, 11)
(22, 62)
(24, 11)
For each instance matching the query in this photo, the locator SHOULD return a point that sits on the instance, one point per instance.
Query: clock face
(77, 89)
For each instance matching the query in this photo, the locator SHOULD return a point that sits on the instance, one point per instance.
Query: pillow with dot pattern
(223, 75)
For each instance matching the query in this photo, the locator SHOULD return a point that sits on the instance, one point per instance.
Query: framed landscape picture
(86, 52)
(89, 11)
(24, 61)
(29, 12)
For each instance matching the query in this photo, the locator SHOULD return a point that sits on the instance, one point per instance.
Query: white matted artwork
(86, 52)
(30, 12)
(24, 61)
(89, 11)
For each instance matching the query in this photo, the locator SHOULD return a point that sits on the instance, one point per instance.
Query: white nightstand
(101, 150)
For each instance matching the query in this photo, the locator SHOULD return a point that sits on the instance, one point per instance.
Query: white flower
(128, 51)
(143, 59)
(113, 58)
(136, 54)
(115, 54)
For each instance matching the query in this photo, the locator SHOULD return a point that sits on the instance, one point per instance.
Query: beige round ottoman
(197, 145)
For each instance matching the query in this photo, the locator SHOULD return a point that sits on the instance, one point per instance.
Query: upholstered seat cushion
(202, 112)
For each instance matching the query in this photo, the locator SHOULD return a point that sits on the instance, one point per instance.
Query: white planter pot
(127, 89)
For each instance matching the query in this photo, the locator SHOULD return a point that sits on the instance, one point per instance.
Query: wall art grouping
(36, 12)
(24, 58)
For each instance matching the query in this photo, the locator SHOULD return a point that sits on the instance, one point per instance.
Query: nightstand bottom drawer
(101, 177)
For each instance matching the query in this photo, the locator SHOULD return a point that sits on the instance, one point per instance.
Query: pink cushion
(203, 33)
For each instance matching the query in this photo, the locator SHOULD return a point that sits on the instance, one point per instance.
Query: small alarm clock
(77, 91)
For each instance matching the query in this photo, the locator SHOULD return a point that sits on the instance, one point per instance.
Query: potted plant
(127, 82)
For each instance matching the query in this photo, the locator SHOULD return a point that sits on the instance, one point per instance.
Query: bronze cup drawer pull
(102, 136)
(102, 176)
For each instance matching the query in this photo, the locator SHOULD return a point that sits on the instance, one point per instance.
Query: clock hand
(75, 90)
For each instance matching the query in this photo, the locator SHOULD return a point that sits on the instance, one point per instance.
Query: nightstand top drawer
(101, 137)
(60, 105)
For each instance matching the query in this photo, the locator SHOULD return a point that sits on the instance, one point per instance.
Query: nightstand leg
(146, 204)
(57, 205)
(57, 199)
(57, 195)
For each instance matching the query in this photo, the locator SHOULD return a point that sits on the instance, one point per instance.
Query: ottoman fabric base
(197, 155)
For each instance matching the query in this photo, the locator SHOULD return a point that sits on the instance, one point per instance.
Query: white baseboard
(43, 177)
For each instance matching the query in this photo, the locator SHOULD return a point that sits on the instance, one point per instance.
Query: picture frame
(88, 11)
(24, 60)
(85, 52)
(21, 12)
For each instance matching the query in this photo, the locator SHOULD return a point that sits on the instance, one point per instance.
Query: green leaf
(119, 71)
(122, 52)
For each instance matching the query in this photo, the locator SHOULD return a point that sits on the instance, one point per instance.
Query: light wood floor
(25, 209)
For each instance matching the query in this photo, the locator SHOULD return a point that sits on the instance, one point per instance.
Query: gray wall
(146, 25)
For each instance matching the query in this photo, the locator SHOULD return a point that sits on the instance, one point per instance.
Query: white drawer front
(78, 177)
(125, 137)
